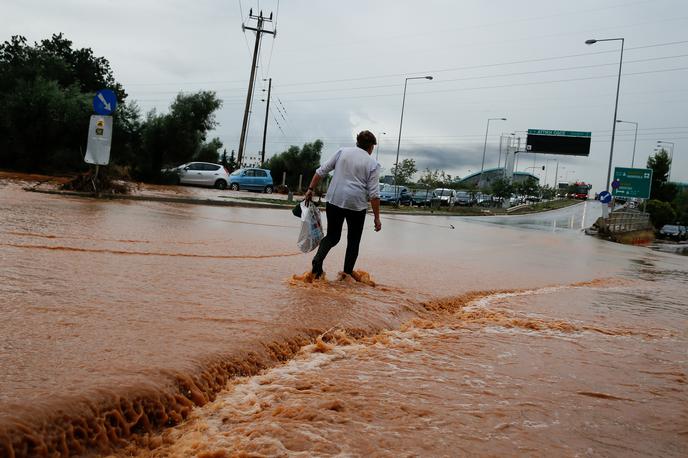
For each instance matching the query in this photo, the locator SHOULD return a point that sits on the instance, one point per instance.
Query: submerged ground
(484, 336)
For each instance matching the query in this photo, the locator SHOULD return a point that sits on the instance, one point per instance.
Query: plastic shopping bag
(311, 227)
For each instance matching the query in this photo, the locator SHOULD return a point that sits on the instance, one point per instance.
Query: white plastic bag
(311, 228)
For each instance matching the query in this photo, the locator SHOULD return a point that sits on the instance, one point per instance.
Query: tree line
(46, 92)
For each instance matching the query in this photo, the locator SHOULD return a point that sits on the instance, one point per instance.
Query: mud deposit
(154, 329)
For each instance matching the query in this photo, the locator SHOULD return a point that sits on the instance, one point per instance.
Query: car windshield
(670, 228)
(237, 172)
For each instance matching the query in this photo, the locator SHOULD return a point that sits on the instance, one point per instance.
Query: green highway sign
(560, 133)
(632, 182)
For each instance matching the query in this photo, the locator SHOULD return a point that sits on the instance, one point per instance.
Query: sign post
(605, 198)
(99, 140)
(100, 131)
(632, 183)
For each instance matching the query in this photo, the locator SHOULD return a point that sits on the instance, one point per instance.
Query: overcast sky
(339, 67)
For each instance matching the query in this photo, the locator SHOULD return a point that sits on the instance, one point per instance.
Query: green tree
(179, 136)
(429, 179)
(232, 164)
(502, 188)
(660, 164)
(210, 151)
(295, 161)
(660, 212)
(404, 174)
(527, 187)
(45, 94)
(546, 192)
(680, 205)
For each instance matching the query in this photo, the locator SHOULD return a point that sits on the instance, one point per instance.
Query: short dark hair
(365, 140)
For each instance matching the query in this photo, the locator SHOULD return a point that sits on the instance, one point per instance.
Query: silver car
(444, 196)
(202, 174)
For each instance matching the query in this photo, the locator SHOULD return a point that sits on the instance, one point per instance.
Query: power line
(468, 78)
(489, 87)
(444, 70)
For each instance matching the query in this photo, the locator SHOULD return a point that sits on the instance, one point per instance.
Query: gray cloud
(529, 65)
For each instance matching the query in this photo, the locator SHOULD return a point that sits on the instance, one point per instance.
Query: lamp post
(635, 139)
(401, 123)
(616, 104)
(671, 156)
(377, 150)
(482, 167)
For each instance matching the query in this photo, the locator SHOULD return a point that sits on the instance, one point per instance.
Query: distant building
(490, 175)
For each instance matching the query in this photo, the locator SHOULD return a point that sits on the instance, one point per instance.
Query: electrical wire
(441, 70)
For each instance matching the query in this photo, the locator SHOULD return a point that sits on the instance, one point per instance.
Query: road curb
(176, 200)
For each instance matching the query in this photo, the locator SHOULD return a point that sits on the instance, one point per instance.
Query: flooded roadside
(507, 374)
(120, 317)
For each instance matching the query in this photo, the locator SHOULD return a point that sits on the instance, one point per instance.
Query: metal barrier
(627, 221)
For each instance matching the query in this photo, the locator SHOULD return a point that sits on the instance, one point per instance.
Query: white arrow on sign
(105, 102)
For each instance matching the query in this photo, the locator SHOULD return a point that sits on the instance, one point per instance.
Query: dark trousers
(335, 221)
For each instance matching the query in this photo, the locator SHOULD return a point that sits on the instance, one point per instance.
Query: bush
(296, 161)
(661, 213)
(680, 205)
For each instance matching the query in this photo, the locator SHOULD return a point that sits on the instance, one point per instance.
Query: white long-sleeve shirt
(356, 178)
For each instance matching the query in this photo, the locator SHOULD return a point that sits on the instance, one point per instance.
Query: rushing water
(479, 338)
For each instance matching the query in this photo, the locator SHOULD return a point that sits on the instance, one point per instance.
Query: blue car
(251, 179)
(395, 195)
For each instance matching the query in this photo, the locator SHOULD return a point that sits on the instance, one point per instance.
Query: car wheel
(268, 190)
(221, 184)
(234, 187)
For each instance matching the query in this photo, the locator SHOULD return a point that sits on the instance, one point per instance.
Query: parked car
(462, 198)
(485, 200)
(674, 232)
(421, 197)
(444, 196)
(251, 179)
(202, 174)
(395, 195)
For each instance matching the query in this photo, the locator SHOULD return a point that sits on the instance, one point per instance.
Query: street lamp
(482, 167)
(377, 151)
(671, 156)
(401, 123)
(616, 104)
(635, 139)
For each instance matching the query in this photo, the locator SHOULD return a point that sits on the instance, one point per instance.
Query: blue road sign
(105, 102)
(605, 197)
(616, 184)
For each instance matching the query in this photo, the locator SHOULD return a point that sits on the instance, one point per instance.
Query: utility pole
(265, 127)
(259, 31)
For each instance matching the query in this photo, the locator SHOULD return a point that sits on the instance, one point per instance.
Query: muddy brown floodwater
(152, 329)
